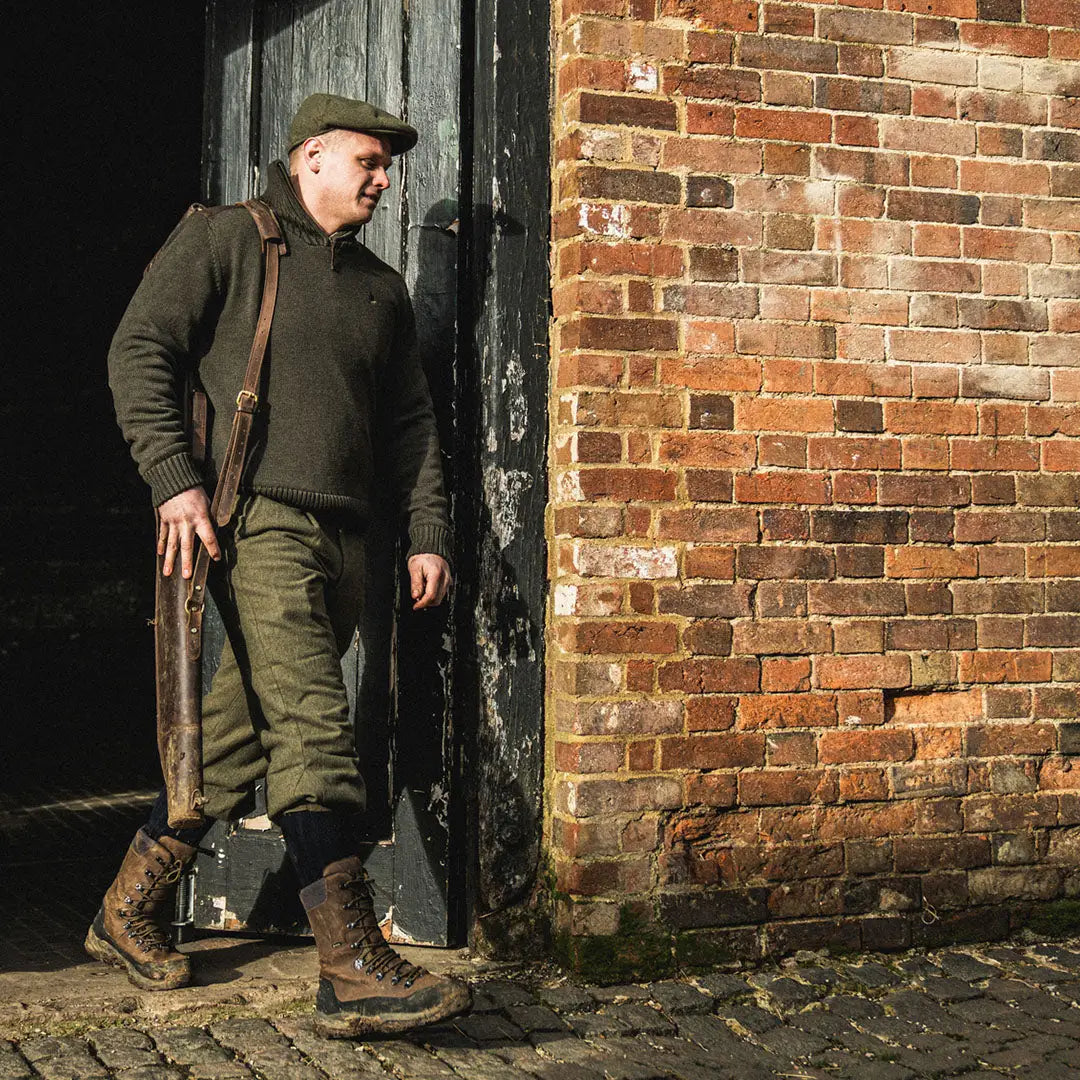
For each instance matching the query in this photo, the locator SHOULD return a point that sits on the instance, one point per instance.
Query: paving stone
(558, 1070)
(151, 1072)
(935, 1057)
(1041, 974)
(219, 1070)
(819, 1022)
(788, 994)
(709, 1032)
(894, 1029)
(535, 1018)
(919, 964)
(849, 1067)
(749, 1017)
(62, 1059)
(607, 995)
(961, 965)
(566, 998)
(677, 998)
(1069, 1056)
(851, 1007)
(1051, 1070)
(505, 992)
(1011, 1021)
(1056, 954)
(123, 1048)
(487, 1027)
(407, 1059)
(791, 1042)
(815, 976)
(1028, 1052)
(478, 1064)
(189, 1046)
(586, 1025)
(1068, 991)
(644, 1052)
(863, 1042)
(688, 1066)
(343, 1059)
(13, 1066)
(563, 1048)
(918, 1008)
(245, 1036)
(722, 986)
(870, 974)
(943, 988)
(640, 1018)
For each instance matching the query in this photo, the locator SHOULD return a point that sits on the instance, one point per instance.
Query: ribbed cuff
(431, 540)
(171, 476)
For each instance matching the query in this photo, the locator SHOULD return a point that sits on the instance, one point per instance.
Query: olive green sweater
(345, 412)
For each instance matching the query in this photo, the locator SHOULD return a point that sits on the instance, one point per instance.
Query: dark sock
(314, 839)
(158, 824)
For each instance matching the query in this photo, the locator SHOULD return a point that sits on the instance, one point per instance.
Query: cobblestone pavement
(987, 1011)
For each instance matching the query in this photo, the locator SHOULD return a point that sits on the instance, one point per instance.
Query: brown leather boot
(131, 928)
(365, 987)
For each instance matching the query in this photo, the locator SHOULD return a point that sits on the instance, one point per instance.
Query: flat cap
(324, 112)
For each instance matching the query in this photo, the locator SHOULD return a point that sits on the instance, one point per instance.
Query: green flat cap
(324, 112)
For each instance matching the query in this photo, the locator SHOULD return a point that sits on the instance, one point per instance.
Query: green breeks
(290, 595)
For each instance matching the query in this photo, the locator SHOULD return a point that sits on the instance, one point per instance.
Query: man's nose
(380, 179)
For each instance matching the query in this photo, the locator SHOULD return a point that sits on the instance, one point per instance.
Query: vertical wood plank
(502, 406)
(423, 773)
(276, 104)
(227, 168)
(384, 86)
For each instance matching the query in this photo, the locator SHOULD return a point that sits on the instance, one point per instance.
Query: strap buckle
(247, 394)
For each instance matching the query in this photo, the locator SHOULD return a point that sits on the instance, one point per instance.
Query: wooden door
(263, 58)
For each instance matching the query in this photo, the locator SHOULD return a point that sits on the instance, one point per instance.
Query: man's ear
(311, 153)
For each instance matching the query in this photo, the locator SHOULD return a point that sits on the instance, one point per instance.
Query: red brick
(710, 676)
(783, 414)
(784, 787)
(786, 711)
(919, 561)
(714, 14)
(862, 672)
(785, 124)
(733, 750)
(614, 636)
(781, 487)
(785, 676)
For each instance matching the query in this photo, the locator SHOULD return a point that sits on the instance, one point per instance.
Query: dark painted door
(262, 60)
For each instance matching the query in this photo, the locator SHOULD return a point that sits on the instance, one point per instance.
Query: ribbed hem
(171, 476)
(312, 500)
(431, 540)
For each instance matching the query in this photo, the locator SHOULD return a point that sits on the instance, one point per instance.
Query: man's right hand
(182, 518)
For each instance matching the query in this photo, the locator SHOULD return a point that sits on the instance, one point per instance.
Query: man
(344, 415)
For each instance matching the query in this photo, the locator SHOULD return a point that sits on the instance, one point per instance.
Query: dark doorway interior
(108, 125)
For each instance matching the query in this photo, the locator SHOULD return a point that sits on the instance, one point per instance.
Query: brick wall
(814, 649)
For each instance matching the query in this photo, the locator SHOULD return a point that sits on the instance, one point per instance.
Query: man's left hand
(430, 577)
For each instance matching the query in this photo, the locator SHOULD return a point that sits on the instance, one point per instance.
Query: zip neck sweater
(344, 411)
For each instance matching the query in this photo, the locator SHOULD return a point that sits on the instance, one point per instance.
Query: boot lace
(376, 956)
(140, 924)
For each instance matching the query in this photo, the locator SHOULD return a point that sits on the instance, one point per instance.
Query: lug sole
(102, 949)
(344, 1025)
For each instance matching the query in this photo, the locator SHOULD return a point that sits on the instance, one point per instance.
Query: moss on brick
(1057, 918)
(637, 951)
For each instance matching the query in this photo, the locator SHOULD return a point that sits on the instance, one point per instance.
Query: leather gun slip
(179, 602)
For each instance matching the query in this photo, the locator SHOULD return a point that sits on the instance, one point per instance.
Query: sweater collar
(294, 216)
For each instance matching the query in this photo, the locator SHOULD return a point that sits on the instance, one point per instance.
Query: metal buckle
(250, 394)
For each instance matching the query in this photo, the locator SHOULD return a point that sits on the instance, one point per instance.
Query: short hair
(330, 140)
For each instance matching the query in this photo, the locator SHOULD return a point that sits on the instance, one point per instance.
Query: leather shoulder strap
(247, 401)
